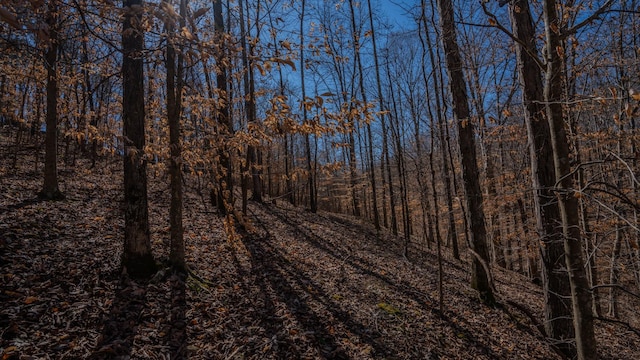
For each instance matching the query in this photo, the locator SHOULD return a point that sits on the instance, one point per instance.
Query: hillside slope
(298, 286)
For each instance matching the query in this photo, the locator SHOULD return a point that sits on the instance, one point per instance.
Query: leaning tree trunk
(137, 258)
(567, 200)
(558, 324)
(480, 276)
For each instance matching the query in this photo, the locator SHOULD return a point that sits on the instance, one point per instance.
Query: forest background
(503, 132)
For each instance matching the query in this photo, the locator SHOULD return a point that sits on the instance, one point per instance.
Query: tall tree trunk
(372, 174)
(174, 113)
(443, 137)
(558, 313)
(400, 166)
(614, 273)
(313, 198)
(287, 154)
(480, 276)
(251, 170)
(137, 258)
(224, 174)
(385, 145)
(50, 190)
(568, 203)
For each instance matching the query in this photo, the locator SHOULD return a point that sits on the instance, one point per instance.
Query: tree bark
(224, 172)
(137, 258)
(558, 324)
(567, 201)
(457, 86)
(50, 190)
(313, 201)
(174, 112)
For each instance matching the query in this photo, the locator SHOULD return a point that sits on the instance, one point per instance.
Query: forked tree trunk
(558, 324)
(568, 202)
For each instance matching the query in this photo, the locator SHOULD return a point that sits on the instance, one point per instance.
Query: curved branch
(617, 286)
(588, 20)
(496, 24)
(636, 331)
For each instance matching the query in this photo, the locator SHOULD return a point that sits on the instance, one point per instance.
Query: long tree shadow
(16, 206)
(120, 326)
(177, 334)
(397, 248)
(406, 289)
(126, 314)
(361, 265)
(297, 291)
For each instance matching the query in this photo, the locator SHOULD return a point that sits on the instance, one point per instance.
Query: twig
(636, 331)
(617, 286)
(234, 352)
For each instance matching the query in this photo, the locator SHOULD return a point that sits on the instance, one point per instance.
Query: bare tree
(174, 113)
(480, 276)
(558, 312)
(137, 258)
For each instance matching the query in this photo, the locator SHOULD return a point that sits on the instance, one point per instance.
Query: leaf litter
(299, 286)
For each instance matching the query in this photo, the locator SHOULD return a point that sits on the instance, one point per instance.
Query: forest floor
(297, 286)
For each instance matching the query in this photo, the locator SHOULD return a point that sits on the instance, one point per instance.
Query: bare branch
(496, 24)
(636, 331)
(588, 20)
(633, 176)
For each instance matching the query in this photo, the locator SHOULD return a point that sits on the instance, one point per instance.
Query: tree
(356, 49)
(223, 190)
(313, 195)
(252, 167)
(442, 126)
(557, 291)
(174, 113)
(480, 276)
(137, 258)
(50, 188)
(565, 192)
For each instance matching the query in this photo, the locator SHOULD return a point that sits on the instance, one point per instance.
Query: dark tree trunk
(558, 324)
(174, 112)
(313, 197)
(567, 201)
(137, 258)
(252, 170)
(480, 278)
(223, 174)
(372, 174)
(50, 190)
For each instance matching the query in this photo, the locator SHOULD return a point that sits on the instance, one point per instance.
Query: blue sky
(394, 11)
